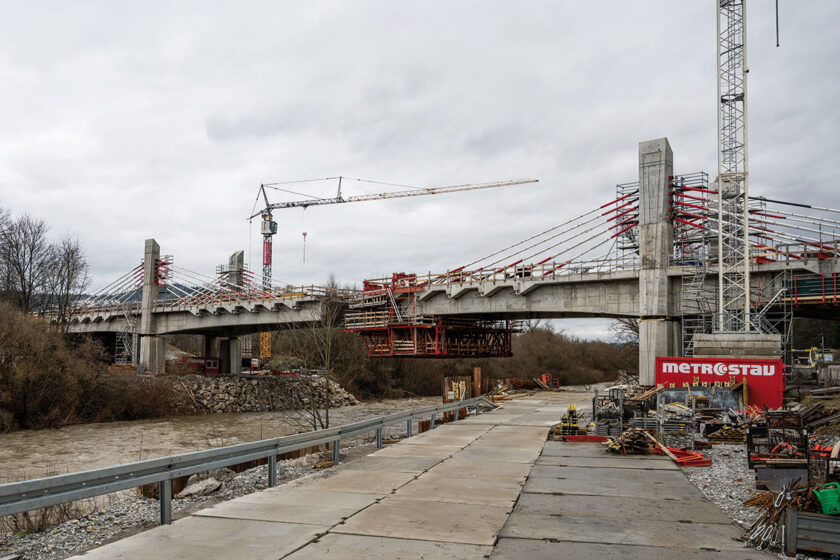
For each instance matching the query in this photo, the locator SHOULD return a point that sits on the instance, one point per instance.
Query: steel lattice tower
(733, 177)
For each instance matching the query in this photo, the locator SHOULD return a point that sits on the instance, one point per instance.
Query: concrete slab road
(467, 490)
(580, 503)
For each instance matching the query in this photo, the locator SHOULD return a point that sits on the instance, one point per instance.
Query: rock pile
(197, 394)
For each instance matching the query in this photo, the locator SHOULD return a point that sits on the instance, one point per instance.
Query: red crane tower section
(385, 315)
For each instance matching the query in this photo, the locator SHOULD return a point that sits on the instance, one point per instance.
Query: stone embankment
(197, 394)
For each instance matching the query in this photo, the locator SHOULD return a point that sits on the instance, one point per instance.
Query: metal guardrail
(17, 497)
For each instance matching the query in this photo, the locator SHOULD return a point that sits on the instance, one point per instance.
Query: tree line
(48, 378)
(37, 273)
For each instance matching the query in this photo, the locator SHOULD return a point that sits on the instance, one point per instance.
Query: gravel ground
(127, 515)
(728, 482)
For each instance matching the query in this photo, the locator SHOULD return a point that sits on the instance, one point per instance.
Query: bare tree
(626, 331)
(5, 218)
(316, 347)
(27, 258)
(69, 276)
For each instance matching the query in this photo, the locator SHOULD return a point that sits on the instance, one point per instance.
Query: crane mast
(733, 175)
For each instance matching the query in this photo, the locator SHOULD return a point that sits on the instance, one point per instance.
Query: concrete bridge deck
(488, 486)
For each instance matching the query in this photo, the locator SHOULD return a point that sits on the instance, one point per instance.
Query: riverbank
(27, 454)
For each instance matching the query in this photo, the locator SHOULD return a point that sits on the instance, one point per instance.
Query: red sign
(764, 379)
(266, 252)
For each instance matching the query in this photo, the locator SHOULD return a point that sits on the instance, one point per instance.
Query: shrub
(47, 381)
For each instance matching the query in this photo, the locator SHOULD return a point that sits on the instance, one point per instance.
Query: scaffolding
(386, 317)
(690, 197)
(124, 348)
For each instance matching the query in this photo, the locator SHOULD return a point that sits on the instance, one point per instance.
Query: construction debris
(640, 442)
(768, 531)
(728, 434)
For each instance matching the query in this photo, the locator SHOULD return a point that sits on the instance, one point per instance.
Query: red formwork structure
(386, 317)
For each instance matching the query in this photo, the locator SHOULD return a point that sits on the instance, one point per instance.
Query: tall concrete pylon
(658, 331)
(152, 347)
(236, 265)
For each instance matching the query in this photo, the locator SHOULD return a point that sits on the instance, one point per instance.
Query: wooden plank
(790, 531)
(476, 382)
(662, 447)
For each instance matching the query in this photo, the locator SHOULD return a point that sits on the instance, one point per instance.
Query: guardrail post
(165, 502)
(408, 428)
(272, 471)
(335, 450)
(379, 438)
(432, 422)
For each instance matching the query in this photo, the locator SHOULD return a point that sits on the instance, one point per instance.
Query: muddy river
(35, 453)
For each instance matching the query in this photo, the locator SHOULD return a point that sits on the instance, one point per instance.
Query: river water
(30, 454)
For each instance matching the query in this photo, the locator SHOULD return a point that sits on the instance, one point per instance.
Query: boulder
(200, 488)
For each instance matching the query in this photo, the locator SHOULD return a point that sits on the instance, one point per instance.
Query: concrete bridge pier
(658, 331)
(210, 346)
(230, 355)
(236, 265)
(152, 347)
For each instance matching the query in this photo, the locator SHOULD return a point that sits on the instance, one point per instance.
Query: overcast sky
(128, 120)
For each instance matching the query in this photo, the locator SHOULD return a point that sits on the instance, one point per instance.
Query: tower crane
(269, 226)
(733, 172)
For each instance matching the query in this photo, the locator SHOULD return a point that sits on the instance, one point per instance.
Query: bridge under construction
(650, 253)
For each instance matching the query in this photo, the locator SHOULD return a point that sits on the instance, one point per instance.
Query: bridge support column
(236, 264)
(658, 332)
(135, 349)
(209, 346)
(230, 355)
(235, 355)
(152, 347)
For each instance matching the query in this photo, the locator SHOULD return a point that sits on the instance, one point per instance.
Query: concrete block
(363, 482)
(447, 440)
(311, 497)
(407, 449)
(409, 464)
(458, 467)
(356, 547)
(643, 462)
(587, 473)
(405, 518)
(625, 532)
(518, 549)
(208, 538)
(623, 487)
(545, 420)
(497, 454)
(277, 511)
(566, 449)
(535, 433)
(465, 490)
(615, 507)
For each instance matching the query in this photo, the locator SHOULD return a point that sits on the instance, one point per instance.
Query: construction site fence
(19, 497)
(812, 289)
